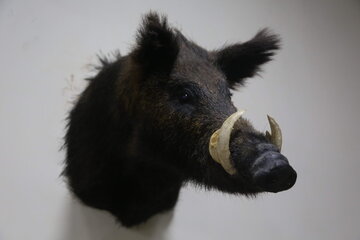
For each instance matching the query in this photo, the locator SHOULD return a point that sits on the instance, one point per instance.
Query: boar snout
(271, 170)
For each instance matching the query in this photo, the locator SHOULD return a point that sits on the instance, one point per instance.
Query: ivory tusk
(219, 143)
(275, 137)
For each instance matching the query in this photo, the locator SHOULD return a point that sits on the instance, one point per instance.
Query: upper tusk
(275, 137)
(219, 143)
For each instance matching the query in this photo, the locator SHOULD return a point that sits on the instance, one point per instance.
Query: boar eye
(185, 96)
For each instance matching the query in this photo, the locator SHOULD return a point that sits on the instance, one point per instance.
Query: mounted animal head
(162, 115)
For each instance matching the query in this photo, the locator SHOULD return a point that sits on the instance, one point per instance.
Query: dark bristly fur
(140, 130)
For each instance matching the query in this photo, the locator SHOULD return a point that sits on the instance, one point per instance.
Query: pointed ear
(240, 61)
(157, 48)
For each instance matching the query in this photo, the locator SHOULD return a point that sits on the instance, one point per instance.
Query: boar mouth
(220, 139)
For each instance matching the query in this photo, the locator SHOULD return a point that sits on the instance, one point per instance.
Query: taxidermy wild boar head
(162, 116)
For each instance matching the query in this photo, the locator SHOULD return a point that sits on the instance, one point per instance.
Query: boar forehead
(194, 64)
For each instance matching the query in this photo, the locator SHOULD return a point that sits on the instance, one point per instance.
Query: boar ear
(240, 61)
(157, 46)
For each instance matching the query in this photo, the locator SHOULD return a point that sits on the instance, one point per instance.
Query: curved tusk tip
(275, 135)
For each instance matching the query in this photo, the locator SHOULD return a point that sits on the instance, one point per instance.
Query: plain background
(312, 88)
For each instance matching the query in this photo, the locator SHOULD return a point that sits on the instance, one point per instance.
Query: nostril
(283, 177)
(277, 179)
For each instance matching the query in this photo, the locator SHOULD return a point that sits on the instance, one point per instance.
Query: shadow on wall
(84, 223)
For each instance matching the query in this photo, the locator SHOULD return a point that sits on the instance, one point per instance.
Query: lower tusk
(275, 137)
(219, 143)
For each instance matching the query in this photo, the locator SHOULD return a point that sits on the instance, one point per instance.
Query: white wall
(312, 89)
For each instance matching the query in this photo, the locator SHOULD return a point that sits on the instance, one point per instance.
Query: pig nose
(272, 172)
